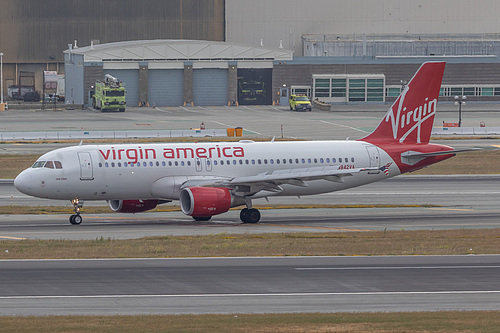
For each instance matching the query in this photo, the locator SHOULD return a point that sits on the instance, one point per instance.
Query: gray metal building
(171, 72)
(34, 33)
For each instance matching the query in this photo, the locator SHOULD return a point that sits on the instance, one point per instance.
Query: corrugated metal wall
(40, 30)
(248, 22)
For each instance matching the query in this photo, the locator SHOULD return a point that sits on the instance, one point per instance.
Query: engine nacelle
(132, 206)
(205, 201)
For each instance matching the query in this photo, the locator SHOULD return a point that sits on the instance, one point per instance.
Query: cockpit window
(38, 164)
(49, 165)
(58, 164)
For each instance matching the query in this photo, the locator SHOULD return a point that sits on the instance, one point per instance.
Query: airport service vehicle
(300, 102)
(109, 94)
(209, 178)
(252, 92)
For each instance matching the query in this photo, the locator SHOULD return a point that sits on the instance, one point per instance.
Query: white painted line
(390, 268)
(368, 293)
(353, 128)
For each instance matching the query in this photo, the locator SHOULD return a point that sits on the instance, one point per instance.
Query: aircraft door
(197, 164)
(86, 169)
(373, 157)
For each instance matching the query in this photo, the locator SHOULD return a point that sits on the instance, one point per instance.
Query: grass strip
(443, 322)
(335, 243)
(25, 210)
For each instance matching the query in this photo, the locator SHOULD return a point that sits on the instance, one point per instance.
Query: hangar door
(166, 87)
(130, 79)
(210, 86)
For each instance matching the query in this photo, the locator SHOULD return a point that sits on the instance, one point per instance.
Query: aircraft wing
(271, 181)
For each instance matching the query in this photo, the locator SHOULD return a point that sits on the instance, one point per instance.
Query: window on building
(322, 88)
(357, 90)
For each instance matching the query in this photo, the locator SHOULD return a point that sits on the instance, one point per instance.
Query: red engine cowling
(205, 201)
(132, 206)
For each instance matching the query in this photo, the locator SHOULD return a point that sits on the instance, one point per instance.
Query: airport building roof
(177, 50)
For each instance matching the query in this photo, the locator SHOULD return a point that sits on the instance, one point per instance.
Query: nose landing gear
(76, 218)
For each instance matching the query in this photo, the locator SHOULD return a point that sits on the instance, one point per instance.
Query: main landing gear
(76, 218)
(250, 215)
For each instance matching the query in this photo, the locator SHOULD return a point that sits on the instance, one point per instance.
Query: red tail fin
(410, 118)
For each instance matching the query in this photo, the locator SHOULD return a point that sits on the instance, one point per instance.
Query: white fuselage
(144, 171)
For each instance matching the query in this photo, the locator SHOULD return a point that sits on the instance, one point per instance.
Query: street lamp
(1, 77)
(459, 100)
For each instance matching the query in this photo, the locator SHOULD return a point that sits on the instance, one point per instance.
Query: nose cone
(24, 182)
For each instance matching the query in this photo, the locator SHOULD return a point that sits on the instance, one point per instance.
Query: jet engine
(205, 201)
(132, 206)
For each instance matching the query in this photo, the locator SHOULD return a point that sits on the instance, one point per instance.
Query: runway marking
(313, 227)
(350, 127)
(457, 209)
(15, 238)
(367, 293)
(389, 268)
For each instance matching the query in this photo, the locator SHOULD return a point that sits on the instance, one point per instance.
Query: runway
(458, 202)
(249, 285)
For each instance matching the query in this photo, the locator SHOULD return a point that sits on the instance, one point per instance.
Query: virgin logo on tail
(411, 117)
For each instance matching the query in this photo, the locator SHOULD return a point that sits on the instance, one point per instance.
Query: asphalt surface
(249, 285)
(257, 285)
(449, 202)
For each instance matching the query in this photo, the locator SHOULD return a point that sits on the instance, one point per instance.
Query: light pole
(1, 76)
(459, 100)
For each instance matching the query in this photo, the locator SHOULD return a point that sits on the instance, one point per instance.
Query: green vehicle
(109, 95)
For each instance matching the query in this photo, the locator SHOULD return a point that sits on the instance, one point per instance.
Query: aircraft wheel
(243, 214)
(75, 219)
(202, 218)
(252, 216)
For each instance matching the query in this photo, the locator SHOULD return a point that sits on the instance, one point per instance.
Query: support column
(143, 84)
(232, 83)
(188, 83)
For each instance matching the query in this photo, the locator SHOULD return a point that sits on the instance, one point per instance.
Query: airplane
(209, 178)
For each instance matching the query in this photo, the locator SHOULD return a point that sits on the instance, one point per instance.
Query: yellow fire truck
(109, 95)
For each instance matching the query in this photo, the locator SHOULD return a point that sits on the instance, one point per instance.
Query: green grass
(443, 322)
(341, 242)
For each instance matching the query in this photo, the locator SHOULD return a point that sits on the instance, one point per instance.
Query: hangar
(175, 72)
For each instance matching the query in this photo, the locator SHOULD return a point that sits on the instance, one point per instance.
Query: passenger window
(321, 160)
(119, 164)
(303, 161)
(176, 163)
(340, 160)
(58, 164)
(259, 161)
(100, 165)
(315, 160)
(352, 159)
(163, 163)
(221, 162)
(241, 161)
(309, 160)
(112, 164)
(253, 161)
(327, 160)
(296, 161)
(334, 160)
(265, 161)
(290, 161)
(49, 165)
